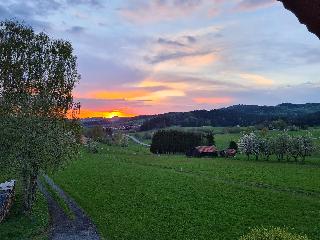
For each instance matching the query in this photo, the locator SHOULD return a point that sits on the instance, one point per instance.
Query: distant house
(203, 151)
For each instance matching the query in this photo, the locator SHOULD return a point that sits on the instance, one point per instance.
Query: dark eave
(307, 11)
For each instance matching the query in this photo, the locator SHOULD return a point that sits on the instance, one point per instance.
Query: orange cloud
(149, 82)
(217, 100)
(200, 60)
(257, 79)
(113, 95)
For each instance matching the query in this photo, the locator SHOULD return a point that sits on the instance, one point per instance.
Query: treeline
(99, 134)
(283, 146)
(173, 141)
(244, 115)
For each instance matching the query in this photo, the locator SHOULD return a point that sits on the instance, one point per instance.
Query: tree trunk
(30, 187)
(26, 184)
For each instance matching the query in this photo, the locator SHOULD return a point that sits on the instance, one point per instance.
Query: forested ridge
(244, 115)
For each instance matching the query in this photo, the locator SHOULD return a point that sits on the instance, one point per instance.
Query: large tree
(37, 76)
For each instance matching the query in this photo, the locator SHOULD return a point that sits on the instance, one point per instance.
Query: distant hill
(243, 115)
(117, 122)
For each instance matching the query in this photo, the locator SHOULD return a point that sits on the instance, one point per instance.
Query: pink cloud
(250, 5)
(214, 100)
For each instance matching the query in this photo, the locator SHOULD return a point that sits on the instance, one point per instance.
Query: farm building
(203, 151)
(228, 153)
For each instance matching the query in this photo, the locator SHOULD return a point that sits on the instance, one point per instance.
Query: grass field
(132, 194)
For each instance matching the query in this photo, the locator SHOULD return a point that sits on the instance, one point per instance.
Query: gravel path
(138, 141)
(62, 227)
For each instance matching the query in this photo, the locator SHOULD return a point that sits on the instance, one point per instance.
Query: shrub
(272, 233)
(120, 139)
(233, 145)
(92, 146)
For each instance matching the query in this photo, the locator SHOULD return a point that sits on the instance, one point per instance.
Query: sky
(154, 56)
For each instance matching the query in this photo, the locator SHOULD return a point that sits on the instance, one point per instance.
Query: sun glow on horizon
(117, 113)
(87, 113)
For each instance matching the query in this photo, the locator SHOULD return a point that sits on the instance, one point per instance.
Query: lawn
(132, 194)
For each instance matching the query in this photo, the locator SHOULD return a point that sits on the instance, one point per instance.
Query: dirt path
(138, 141)
(62, 227)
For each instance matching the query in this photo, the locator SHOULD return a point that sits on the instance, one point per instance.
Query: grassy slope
(131, 194)
(17, 226)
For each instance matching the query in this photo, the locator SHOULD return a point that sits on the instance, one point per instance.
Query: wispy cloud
(146, 12)
(250, 5)
(214, 100)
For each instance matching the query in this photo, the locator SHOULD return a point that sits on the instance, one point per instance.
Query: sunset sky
(154, 56)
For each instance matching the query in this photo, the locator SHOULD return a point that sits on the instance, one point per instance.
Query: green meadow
(132, 194)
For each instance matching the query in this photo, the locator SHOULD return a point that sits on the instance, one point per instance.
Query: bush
(92, 146)
(233, 145)
(120, 139)
(272, 233)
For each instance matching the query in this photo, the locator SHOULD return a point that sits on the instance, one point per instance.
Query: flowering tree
(266, 147)
(249, 145)
(306, 146)
(295, 147)
(282, 145)
(37, 76)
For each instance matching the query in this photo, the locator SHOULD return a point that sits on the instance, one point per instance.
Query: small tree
(282, 145)
(295, 147)
(233, 145)
(266, 147)
(306, 146)
(37, 76)
(210, 139)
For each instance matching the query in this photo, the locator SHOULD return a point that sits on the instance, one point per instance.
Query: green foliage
(279, 125)
(120, 139)
(96, 133)
(174, 141)
(233, 145)
(272, 233)
(37, 76)
(92, 146)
